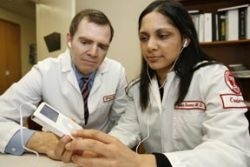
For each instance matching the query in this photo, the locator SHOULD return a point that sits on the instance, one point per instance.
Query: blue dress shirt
(14, 146)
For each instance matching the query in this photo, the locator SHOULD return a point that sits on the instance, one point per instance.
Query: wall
(123, 15)
(28, 35)
(53, 16)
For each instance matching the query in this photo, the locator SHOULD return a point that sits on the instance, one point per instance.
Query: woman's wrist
(146, 160)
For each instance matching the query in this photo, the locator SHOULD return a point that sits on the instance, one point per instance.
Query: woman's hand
(60, 151)
(105, 151)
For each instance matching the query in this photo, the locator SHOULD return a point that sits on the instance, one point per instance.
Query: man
(96, 102)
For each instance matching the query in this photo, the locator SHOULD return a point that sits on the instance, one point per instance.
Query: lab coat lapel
(99, 77)
(95, 94)
(68, 70)
(155, 94)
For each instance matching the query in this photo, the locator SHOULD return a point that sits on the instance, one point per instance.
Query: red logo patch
(231, 83)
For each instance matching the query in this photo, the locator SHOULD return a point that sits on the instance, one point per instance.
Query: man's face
(89, 46)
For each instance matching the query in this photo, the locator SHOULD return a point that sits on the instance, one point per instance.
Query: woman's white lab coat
(208, 129)
(53, 81)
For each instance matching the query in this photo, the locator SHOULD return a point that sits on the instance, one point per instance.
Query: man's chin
(87, 71)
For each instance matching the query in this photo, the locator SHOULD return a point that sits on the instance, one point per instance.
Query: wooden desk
(30, 160)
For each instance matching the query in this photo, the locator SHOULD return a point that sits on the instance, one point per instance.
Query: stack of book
(232, 23)
(239, 70)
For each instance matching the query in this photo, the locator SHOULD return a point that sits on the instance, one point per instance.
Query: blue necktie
(85, 94)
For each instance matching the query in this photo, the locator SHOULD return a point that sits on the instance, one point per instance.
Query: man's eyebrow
(84, 38)
(104, 44)
(89, 40)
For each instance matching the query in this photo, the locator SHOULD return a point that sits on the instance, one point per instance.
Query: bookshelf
(227, 52)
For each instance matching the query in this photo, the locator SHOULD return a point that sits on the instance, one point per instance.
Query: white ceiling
(25, 8)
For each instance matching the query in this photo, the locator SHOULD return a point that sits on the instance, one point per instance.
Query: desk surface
(30, 160)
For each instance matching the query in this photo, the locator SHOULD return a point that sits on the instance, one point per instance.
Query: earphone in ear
(69, 44)
(185, 43)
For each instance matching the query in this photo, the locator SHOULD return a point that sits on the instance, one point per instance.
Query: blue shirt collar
(79, 76)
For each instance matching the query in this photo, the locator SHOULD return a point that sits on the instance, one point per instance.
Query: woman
(186, 109)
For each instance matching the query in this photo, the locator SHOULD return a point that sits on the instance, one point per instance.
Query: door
(10, 59)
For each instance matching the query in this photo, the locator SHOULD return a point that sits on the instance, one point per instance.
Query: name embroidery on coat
(191, 105)
(232, 101)
(108, 98)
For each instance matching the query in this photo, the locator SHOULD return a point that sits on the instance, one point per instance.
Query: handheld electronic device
(54, 121)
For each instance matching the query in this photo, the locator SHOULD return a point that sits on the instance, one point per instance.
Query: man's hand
(45, 143)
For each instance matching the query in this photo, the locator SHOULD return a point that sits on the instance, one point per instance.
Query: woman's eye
(143, 38)
(163, 36)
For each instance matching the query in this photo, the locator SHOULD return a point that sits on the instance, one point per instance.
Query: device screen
(49, 113)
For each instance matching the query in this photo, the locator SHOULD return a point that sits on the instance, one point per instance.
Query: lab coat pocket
(187, 131)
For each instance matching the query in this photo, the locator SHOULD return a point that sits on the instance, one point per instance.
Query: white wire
(144, 139)
(171, 68)
(21, 129)
(176, 59)
(148, 131)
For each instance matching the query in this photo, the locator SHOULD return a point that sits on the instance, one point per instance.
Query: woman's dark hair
(94, 16)
(190, 56)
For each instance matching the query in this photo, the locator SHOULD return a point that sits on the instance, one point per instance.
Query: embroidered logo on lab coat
(231, 83)
(108, 98)
(232, 101)
(191, 105)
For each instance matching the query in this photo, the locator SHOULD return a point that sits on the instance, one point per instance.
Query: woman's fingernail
(67, 146)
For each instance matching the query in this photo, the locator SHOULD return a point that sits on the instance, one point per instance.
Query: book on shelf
(207, 27)
(215, 32)
(222, 25)
(231, 23)
(242, 23)
(248, 22)
(242, 74)
(195, 14)
(233, 7)
(239, 70)
(232, 26)
(201, 28)
(236, 21)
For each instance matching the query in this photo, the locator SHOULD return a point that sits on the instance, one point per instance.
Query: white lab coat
(201, 133)
(53, 81)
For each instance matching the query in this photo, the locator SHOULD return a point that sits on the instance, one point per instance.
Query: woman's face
(160, 42)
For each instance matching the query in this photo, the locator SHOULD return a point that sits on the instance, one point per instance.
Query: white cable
(176, 59)
(21, 128)
(148, 132)
(144, 139)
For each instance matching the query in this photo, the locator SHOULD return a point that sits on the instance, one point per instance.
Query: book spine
(215, 33)
(222, 25)
(248, 23)
(242, 23)
(232, 25)
(201, 28)
(207, 27)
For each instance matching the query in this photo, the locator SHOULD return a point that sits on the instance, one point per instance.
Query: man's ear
(69, 39)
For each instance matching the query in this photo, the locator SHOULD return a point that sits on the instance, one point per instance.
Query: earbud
(69, 44)
(185, 43)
